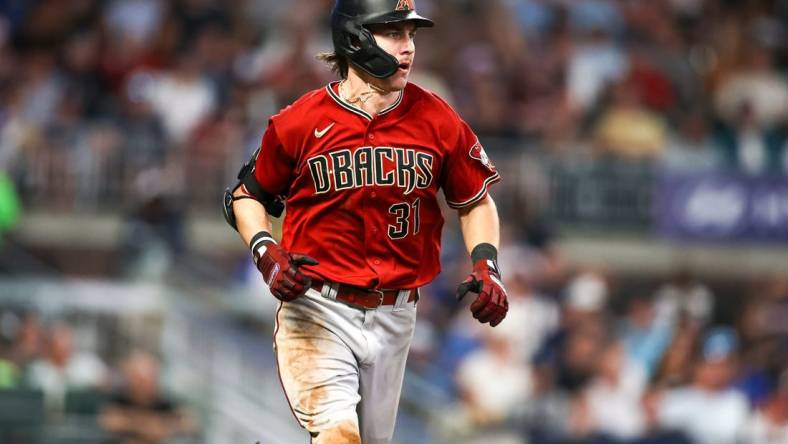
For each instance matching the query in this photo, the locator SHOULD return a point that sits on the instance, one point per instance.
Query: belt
(362, 298)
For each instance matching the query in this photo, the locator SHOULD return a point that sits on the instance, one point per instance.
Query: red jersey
(361, 191)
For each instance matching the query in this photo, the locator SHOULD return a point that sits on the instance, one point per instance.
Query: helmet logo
(405, 5)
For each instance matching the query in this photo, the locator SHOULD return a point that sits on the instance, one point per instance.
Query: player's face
(398, 40)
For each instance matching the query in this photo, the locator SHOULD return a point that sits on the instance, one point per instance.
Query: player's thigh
(381, 382)
(318, 371)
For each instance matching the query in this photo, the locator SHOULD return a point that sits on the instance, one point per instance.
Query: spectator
(61, 368)
(492, 381)
(186, 86)
(135, 20)
(567, 356)
(81, 56)
(757, 86)
(532, 317)
(42, 88)
(595, 63)
(748, 147)
(144, 140)
(645, 335)
(614, 394)
(140, 411)
(29, 340)
(650, 82)
(761, 324)
(708, 410)
(693, 149)
(628, 130)
(586, 296)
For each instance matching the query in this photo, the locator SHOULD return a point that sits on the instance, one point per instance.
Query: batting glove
(491, 304)
(280, 268)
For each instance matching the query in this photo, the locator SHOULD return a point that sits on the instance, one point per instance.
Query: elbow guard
(274, 205)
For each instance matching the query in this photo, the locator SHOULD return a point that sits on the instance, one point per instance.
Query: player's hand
(491, 304)
(280, 270)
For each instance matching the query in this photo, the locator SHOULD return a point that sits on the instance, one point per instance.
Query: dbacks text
(367, 166)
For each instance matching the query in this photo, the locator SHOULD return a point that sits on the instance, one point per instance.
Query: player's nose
(409, 47)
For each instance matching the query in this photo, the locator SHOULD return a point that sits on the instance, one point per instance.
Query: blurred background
(644, 206)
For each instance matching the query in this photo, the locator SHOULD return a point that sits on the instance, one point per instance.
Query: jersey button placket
(374, 229)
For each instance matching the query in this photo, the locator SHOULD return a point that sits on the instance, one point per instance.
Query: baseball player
(358, 165)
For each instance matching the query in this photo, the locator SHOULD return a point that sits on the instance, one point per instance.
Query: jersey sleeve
(274, 166)
(469, 172)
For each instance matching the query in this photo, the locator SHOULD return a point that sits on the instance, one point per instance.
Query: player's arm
(481, 231)
(250, 215)
(248, 208)
(479, 224)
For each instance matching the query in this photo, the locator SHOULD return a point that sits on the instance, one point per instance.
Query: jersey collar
(359, 111)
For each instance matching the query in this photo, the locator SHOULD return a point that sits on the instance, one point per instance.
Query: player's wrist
(259, 244)
(488, 254)
(484, 251)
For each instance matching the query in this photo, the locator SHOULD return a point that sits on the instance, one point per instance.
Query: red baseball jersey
(361, 191)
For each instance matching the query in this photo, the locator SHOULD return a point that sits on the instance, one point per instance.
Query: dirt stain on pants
(342, 433)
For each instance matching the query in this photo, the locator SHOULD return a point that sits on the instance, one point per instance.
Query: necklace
(362, 98)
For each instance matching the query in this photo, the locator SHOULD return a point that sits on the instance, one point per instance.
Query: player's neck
(366, 94)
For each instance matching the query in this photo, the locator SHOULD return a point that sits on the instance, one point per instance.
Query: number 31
(403, 211)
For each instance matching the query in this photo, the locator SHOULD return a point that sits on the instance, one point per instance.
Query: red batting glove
(491, 305)
(280, 268)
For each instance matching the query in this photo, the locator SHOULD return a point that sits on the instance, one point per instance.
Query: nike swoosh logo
(322, 133)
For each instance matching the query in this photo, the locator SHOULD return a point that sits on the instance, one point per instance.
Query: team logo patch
(477, 152)
(405, 5)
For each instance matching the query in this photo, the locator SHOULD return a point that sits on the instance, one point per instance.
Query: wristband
(259, 242)
(484, 251)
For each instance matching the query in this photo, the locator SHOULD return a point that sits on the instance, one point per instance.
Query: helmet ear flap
(359, 45)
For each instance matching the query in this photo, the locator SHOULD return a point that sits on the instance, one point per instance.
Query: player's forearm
(251, 217)
(479, 224)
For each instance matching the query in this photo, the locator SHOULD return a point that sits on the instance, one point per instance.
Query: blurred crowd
(65, 381)
(149, 107)
(160, 101)
(586, 355)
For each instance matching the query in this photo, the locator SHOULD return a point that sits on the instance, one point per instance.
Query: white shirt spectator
(82, 371)
(765, 91)
(706, 417)
(529, 321)
(591, 68)
(616, 409)
(493, 380)
(182, 102)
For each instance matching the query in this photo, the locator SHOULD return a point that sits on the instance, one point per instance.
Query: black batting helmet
(353, 40)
